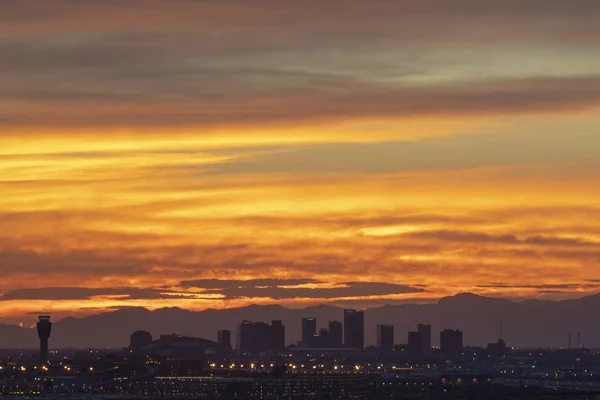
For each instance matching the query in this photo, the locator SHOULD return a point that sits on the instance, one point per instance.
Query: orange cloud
(365, 154)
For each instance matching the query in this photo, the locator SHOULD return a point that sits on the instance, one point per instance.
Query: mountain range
(529, 323)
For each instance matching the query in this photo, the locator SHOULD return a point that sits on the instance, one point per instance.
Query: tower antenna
(569, 334)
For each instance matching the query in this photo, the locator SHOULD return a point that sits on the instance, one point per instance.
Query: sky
(219, 153)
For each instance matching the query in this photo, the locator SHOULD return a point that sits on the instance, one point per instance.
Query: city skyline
(255, 337)
(528, 324)
(216, 154)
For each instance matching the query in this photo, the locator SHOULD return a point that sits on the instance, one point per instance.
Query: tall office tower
(245, 337)
(354, 329)
(138, 340)
(385, 338)
(278, 335)
(451, 342)
(260, 337)
(426, 332)
(224, 341)
(309, 330)
(415, 344)
(336, 335)
(44, 328)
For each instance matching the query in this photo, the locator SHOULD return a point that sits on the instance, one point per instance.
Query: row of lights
(293, 366)
(214, 365)
(44, 368)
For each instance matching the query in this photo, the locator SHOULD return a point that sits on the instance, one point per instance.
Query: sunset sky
(219, 153)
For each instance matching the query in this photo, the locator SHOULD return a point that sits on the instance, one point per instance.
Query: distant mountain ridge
(530, 323)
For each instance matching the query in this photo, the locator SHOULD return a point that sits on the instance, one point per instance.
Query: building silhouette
(180, 347)
(260, 337)
(426, 332)
(451, 342)
(245, 335)
(138, 340)
(309, 330)
(278, 335)
(497, 349)
(336, 334)
(385, 338)
(320, 340)
(224, 341)
(354, 329)
(44, 328)
(324, 340)
(415, 344)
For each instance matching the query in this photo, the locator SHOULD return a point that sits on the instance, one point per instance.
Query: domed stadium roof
(180, 346)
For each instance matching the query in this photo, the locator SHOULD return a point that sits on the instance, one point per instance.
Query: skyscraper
(245, 337)
(354, 329)
(385, 338)
(259, 337)
(224, 341)
(451, 342)
(278, 335)
(415, 344)
(426, 332)
(336, 335)
(262, 338)
(309, 330)
(44, 328)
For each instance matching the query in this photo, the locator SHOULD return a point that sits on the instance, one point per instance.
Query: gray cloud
(234, 283)
(81, 293)
(207, 63)
(230, 289)
(284, 105)
(272, 288)
(555, 286)
(314, 19)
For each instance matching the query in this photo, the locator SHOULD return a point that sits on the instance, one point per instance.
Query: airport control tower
(44, 326)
